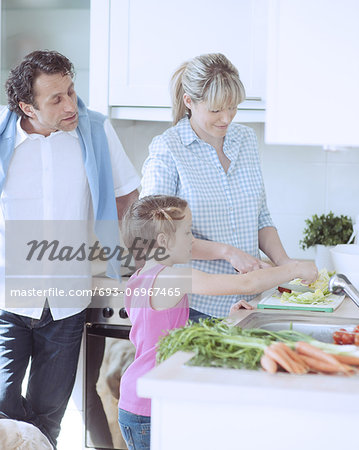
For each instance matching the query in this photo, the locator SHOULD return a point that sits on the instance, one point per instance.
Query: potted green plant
(324, 232)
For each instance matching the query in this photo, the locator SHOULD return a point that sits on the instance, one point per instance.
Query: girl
(156, 295)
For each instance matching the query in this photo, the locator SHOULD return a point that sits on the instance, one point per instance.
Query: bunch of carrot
(306, 358)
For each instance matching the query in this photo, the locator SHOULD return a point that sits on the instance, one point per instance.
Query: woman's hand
(308, 271)
(243, 262)
(241, 304)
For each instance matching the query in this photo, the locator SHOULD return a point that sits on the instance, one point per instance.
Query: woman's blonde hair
(149, 216)
(209, 78)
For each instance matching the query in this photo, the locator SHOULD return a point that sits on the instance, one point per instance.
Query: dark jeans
(135, 429)
(53, 347)
(195, 315)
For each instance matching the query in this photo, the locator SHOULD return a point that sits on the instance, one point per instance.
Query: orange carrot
(347, 359)
(317, 365)
(301, 365)
(269, 364)
(280, 358)
(348, 370)
(303, 348)
(297, 368)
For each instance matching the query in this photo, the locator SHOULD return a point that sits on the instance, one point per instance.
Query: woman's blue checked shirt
(226, 207)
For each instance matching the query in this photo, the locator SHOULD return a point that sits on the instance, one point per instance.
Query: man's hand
(124, 202)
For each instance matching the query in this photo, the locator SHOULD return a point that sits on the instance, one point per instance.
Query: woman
(215, 166)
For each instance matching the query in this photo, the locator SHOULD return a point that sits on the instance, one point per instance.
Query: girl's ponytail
(149, 216)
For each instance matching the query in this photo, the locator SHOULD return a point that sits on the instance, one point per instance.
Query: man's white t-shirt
(46, 181)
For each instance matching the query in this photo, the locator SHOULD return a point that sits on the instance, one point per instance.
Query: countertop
(213, 408)
(173, 379)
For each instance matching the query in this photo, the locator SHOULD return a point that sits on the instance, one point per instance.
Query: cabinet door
(313, 72)
(150, 39)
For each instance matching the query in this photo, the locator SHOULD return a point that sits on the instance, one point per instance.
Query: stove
(107, 304)
(108, 353)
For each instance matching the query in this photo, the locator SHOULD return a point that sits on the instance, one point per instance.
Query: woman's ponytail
(179, 109)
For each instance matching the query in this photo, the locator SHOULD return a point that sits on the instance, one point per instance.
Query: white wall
(300, 181)
(63, 29)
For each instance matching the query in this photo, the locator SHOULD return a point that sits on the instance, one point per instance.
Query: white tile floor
(72, 430)
(72, 426)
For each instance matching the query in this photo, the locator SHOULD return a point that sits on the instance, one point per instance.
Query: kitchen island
(212, 408)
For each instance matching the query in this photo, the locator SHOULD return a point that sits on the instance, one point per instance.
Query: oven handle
(115, 331)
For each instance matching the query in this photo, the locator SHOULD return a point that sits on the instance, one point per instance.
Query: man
(59, 161)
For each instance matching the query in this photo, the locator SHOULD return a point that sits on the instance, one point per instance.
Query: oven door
(108, 354)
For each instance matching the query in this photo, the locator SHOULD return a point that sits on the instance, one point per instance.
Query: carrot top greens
(217, 344)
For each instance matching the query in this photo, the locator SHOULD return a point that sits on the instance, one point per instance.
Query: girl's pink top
(147, 327)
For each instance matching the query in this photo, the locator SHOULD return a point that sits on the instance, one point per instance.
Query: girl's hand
(243, 262)
(241, 304)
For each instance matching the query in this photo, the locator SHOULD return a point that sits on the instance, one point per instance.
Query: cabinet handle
(256, 99)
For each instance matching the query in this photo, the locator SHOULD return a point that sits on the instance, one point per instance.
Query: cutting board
(271, 302)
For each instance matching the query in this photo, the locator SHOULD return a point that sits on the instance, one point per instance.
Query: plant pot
(346, 261)
(323, 257)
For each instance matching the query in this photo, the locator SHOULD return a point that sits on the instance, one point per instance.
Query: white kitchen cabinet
(212, 408)
(313, 72)
(148, 40)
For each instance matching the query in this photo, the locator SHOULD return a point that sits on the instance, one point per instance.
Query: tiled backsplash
(300, 181)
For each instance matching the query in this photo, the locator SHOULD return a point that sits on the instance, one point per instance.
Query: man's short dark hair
(19, 85)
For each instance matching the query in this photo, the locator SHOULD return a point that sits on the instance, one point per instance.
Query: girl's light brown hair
(151, 215)
(209, 78)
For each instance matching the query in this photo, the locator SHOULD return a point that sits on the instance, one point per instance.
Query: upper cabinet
(62, 25)
(148, 40)
(313, 72)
